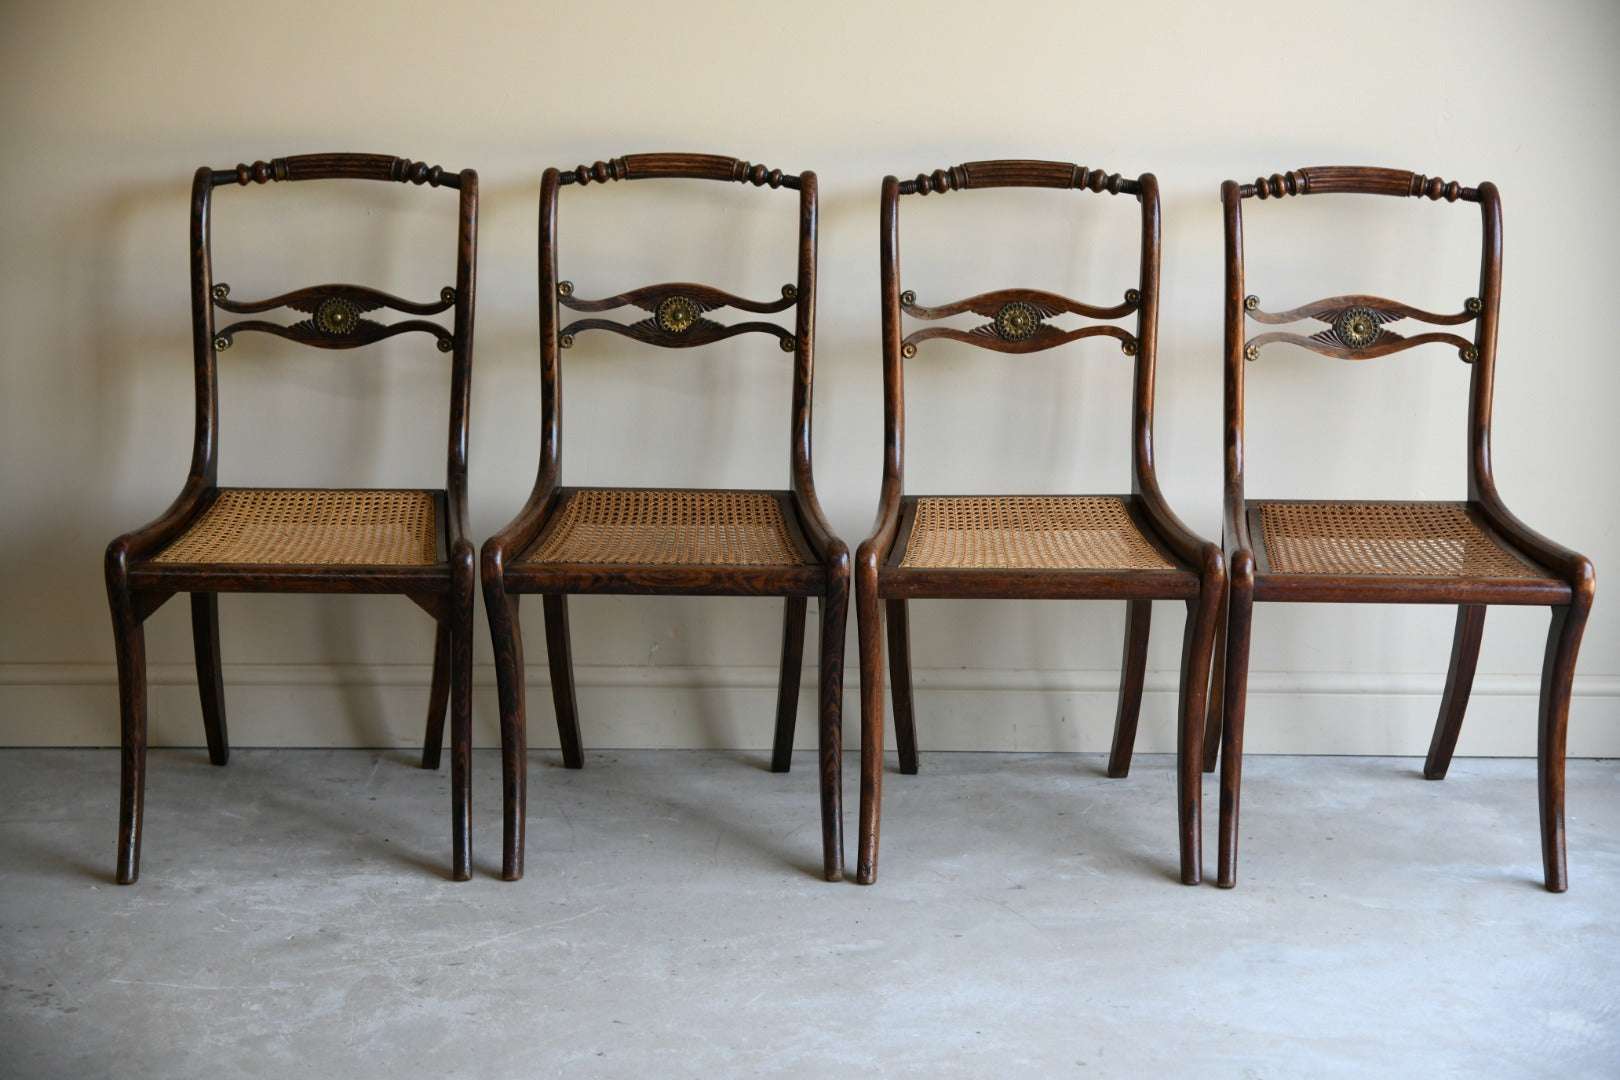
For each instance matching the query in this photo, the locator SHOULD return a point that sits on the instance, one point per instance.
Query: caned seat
(669, 527)
(1470, 553)
(309, 527)
(1128, 547)
(662, 541)
(1026, 532)
(1377, 539)
(213, 539)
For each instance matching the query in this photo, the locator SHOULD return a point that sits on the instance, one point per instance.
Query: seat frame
(506, 576)
(137, 586)
(883, 586)
(1567, 585)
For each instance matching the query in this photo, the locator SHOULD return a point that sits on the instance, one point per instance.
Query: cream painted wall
(106, 109)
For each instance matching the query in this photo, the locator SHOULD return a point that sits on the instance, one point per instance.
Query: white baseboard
(734, 707)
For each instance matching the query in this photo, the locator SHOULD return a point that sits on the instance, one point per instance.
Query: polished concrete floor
(294, 917)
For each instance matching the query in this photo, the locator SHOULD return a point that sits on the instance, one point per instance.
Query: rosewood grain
(1187, 569)
(1534, 570)
(137, 585)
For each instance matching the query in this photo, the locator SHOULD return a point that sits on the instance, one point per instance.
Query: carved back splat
(1356, 324)
(1018, 318)
(676, 311)
(336, 314)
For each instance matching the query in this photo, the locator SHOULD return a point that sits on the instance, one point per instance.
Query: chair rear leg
(905, 719)
(210, 683)
(1459, 681)
(506, 637)
(1239, 615)
(787, 689)
(129, 640)
(1217, 695)
(830, 734)
(438, 696)
(869, 636)
(1138, 617)
(1557, 677)
(560, 654)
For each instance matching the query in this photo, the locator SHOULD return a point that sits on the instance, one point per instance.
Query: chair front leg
(129, 641)
(1240, 612)
(506, 638)
(1197, 647)
(869, 636)
(1133, 667)
(1217, 692)
(905, 719)
(559, 652)
(787, 689)
(1459, 681)
(830, 734)
(438, 695)
(461, 632)
(1557, 678)
(210, 682)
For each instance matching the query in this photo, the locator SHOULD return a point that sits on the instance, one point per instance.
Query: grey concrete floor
(294, 917)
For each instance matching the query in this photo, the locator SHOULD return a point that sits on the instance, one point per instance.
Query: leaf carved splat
(677, 315)
(1357, 327)
(1019, 321)
(336, 316)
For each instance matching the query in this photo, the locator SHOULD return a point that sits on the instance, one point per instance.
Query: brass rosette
(1357, 327)
(336, 316)
(677, 315)
(1017, 321)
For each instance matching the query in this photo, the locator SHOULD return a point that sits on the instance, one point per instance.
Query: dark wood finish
(679, 319)
(1133, 672)
(138, 586)
(787, 689)
(1018, 324)
(1560, 578)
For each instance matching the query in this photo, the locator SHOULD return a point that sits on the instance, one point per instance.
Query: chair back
(1359, 326)
(1021, 320)
(332, 316)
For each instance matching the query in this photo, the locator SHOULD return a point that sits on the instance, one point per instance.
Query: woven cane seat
(1034, 532)
(1418, 539)
(665, 527)
(303, 527)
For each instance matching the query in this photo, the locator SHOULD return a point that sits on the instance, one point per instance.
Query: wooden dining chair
(215, 539)
(1470, 553)
(1127, 547)
(670, 541)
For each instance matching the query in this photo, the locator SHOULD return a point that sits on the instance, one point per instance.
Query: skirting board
(734, 707)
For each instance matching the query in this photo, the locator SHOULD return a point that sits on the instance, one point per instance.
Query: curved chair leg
(210, 683)
(506, 637)
(560, 654)
(438, 696)
(787, 689)
(830, 732)
(1197, 644)
(129, 639)
(461, 634)
(1557, 676)
(1459, 681)
(1217, 694)
(905, 717)
(1240, 613)
(869, 636)
(1138, 617)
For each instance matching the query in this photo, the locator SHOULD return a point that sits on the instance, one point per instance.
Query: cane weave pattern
(1423, 539)
(634, 527)
(1033, 532)
(268, 526)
